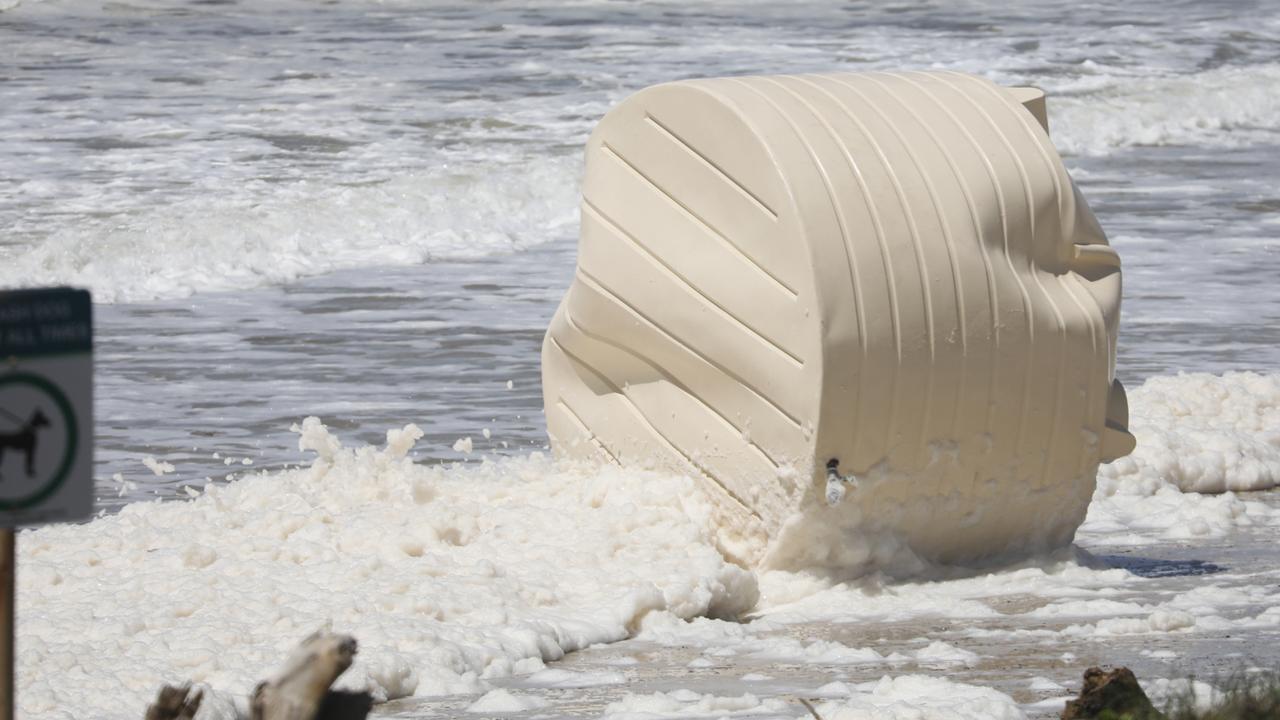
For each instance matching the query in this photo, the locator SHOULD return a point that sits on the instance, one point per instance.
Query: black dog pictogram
(25, 439)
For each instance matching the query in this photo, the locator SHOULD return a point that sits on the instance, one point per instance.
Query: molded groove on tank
(1092, 302)
(586, 431)
(1074, 289)
(595, 284)
(1025, 296)
(612, 323)
(609, 151)
(657, 369)
(1029, 197)
(837, 209)
(979, 236)
(930, 187)
(846, 239)
(1071, 284)
(675, 275)
(648, 425)
(900, 194)
(671, 134)
(1096, 323)
(1069, 281)
(877, 224)
(947, 236)
(1030, 202)
(1063, 344)
(917, 244)
(1098, 326)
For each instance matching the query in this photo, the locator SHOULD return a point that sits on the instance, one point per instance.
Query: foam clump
(1201, 433)
(1201, 439)
(447, 575)
(689, 704)
(505, 701)
(918, 697)
(907, 697)
(759, 640)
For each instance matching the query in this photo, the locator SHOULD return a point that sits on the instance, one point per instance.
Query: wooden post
(298, 690)
(7, 563)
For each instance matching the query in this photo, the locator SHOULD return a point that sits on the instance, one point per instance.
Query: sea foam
(446, 576)
(1201, 439)
(1202, 433)
(453, 575)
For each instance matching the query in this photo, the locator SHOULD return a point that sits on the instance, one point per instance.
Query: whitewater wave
(1222, 107)
(303, 230)
(273, 234)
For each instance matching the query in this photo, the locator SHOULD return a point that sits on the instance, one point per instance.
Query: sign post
(46, 431)
(7, 592)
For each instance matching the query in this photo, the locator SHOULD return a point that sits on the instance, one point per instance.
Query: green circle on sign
(68, 419)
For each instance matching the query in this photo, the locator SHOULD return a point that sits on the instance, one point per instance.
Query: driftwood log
(175, 703)
(299, 691)
(1111, 695)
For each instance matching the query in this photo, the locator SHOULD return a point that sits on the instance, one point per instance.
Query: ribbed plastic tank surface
(888, 274)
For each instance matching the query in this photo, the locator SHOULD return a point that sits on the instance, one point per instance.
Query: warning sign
(46, 406)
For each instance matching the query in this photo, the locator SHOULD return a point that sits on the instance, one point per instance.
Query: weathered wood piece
(175, 703)
(1111, 695)
(299, 690)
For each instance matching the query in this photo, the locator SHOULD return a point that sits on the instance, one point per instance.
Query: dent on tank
(871, 312)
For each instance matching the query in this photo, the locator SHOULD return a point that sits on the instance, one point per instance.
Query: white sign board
(46, 406)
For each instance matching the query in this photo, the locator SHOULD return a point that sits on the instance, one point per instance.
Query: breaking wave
(303, 230)
(1222, 107)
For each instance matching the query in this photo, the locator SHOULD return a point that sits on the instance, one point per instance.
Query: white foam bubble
(764, 640)
(790, 597)
(689, 704)
(157, 467)
(918, 697)
(1197, 433)
(1202, 433)
(505, 701)
(1160, 621)
(445, 576)
(560, 678)
(940, 654)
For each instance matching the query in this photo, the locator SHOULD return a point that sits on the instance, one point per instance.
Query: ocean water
(366, 212)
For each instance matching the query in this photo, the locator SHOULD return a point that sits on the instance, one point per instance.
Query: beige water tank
(888, 274)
